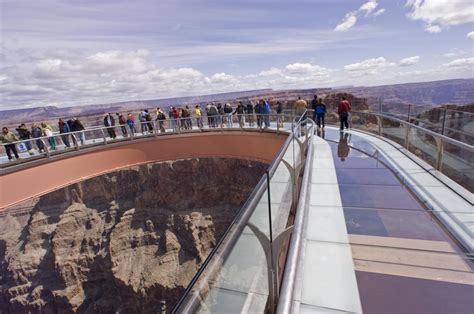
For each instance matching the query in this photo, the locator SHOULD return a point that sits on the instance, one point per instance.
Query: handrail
(289, 278)
(232, 234)
(432, 133)
(220, 122)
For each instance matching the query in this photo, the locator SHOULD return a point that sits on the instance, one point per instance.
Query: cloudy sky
(65, 52)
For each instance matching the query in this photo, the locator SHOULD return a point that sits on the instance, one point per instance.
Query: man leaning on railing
(8, 138)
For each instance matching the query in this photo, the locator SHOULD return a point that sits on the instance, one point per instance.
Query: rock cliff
(120, 242)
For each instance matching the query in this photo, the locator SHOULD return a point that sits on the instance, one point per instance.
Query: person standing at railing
(300, 106)
(148, 120)
(79, 128)
(109, 123)
(213, 113)
(64, 130)
(343, 111)
(36, 132)
(48, 131)
(24, 135)
(279, 111)
(239, 111)
(188, 124)
(266, 110)
(122, 123)
(198, 116)
(174, 115)
(142, 120)
(8, 138)
(320, 112)
(228, 115)
(160, 118)
(131, 123)
(249, 111)
(258, 111)
(220, 114)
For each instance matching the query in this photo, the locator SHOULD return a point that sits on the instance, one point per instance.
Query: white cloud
(379, 12)
(222, 78)
(369, 6)
(369, 66)
(304, 68)
(409, 61)
(271, 72)
(439, 14)
(461, 63)
(454, 52)
(111, 76)
(349, 20)
(432, 28)
(470, 35)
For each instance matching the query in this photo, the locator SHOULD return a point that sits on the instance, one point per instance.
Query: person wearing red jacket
(343, 111)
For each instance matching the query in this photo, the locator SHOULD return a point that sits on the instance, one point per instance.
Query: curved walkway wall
(43, 176)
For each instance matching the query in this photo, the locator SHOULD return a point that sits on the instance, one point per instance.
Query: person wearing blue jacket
(266, 110)
(320, 110)
(64, 129)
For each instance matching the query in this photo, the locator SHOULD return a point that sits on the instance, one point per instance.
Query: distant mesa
(453, 92)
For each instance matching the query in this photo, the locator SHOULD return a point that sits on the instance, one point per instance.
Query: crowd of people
(33, 136)
(218, 116)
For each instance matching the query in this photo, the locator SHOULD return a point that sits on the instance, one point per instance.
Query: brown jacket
(8, 138)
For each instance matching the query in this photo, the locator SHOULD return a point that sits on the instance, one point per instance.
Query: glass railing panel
(393, 130)
(238, 279)
(364, 121)
(26, 149)
(457, 164)
(423, 145)
(90, 137)
(397, 110)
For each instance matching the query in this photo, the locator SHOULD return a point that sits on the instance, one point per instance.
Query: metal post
(443, 127)
(104, 137)
(409, 113)
(75, 141)
(379, 124)
(407, 136)
(439, 160)
(46, 149)
(273, 291)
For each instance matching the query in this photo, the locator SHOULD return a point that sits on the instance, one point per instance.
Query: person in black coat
(249, 111)
(24, 134)
(109, 122)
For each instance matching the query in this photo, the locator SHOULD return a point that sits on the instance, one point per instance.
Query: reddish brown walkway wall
(42, 177)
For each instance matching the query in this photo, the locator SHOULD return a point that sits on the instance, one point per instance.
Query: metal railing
(47, 146)
(260, 225)
(451, 157)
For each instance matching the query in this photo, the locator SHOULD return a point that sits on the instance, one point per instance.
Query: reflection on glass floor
(405, 261)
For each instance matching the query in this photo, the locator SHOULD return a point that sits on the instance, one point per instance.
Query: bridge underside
(40, 177)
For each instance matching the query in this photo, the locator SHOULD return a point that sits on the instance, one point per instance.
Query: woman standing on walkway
(48, 131)
(320, 112)
(131, 123)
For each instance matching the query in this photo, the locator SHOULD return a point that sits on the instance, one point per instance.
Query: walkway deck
(370, 244)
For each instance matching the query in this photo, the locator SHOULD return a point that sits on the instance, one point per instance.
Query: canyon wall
(120, 242)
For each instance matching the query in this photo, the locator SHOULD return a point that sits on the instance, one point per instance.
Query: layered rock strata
(120, 242)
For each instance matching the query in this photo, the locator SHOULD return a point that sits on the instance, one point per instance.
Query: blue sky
(58, 52)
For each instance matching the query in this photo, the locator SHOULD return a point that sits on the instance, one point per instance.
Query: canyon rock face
(120, 242)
